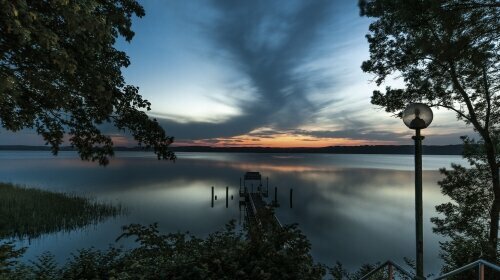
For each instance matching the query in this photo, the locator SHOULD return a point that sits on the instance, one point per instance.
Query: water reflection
(362, 215)
(353, 208)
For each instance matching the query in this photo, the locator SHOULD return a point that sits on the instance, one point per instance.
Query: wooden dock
(252, 198)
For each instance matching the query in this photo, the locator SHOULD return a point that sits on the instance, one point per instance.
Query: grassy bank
(28, 212)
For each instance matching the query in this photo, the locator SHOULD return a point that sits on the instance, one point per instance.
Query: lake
(353, 208)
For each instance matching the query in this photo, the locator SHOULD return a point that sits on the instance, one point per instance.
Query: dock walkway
(254, 199)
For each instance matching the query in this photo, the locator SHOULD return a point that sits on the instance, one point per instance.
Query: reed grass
(29, 213)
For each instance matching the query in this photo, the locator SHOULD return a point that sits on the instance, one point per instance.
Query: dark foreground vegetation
(28, 212)
(276, 253)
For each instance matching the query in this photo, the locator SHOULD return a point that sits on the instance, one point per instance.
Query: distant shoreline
(367, 149)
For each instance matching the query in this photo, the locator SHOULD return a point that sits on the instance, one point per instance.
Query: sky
(260, 73)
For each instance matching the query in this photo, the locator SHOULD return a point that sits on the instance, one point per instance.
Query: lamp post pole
(418, 116)
(418, 205)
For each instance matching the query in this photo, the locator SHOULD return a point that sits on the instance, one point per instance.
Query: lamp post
(418, 116)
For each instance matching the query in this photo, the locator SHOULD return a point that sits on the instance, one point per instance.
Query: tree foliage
(448, 55)
(60, 74)
(464, 220)
(277, 253)
(8, 257)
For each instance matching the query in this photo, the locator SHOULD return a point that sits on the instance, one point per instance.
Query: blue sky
(260, 73)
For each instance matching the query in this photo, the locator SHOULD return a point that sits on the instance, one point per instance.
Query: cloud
(271, 46)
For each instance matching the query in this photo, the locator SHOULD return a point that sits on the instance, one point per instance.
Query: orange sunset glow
(281, 141)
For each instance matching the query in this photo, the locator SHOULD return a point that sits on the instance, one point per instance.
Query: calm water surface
(353, 208)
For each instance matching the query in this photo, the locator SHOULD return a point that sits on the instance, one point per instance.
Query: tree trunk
(495, 207)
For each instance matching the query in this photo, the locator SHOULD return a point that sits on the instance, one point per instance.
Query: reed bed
(28, 212)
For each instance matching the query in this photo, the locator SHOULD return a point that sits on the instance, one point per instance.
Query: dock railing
(479, 264)
(390, 271)
(254, 209)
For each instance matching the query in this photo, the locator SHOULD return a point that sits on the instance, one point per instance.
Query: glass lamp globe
(417, 116)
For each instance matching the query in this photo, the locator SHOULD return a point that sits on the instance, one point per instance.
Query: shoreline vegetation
(367, 149)
(29, 212)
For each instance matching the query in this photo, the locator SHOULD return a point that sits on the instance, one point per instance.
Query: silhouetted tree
(61, 74)
(464, 221)
(447, 53)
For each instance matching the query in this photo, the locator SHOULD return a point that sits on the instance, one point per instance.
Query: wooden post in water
(291, 196)
(212, 196)
(267, 186)
(275, 196)
(227, 196)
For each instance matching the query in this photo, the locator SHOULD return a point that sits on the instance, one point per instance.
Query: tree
(448, 54)
(60, 74)
(464, 220)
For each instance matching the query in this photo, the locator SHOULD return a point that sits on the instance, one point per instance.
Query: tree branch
(461, 114)
(468, 103)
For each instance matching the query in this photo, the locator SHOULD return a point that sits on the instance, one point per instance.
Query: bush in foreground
(273, 253)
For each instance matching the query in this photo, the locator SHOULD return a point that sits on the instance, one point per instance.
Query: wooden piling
(212, 196)
(275, 196)
(227, 196)
(267, 186)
